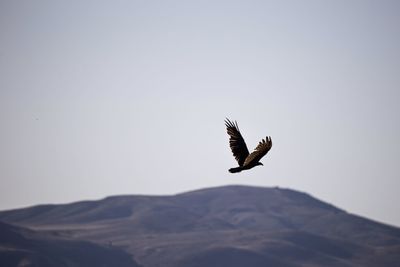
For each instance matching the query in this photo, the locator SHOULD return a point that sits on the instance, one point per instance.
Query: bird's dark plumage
(239, 149)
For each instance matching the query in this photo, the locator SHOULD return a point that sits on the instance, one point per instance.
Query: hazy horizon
(129, 97)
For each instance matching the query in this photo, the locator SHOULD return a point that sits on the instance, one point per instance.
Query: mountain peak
(247, 222)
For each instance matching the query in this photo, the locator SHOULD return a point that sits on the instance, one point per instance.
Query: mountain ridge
(258, 225)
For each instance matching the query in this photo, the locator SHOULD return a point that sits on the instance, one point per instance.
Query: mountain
(223, 226)
(24, 247)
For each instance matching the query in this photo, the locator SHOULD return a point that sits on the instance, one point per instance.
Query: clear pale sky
(102, 98)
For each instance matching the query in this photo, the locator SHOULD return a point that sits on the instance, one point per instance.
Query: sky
(101, 98)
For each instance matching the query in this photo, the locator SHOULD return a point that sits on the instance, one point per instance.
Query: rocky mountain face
(224, 226)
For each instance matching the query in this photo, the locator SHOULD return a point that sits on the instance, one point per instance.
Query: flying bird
(239, 149)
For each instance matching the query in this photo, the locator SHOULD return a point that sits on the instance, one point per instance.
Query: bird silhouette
(239, 149)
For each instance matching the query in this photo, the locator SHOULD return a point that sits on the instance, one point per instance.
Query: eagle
(239, 149)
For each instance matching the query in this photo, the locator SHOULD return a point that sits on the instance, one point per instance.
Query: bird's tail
(237, 169)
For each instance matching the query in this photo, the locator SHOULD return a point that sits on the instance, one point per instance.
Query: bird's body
(239, 149)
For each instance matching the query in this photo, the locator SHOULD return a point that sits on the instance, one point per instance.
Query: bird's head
(259, 163)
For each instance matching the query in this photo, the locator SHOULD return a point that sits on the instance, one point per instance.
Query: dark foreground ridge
(223, 226)
(23, 247)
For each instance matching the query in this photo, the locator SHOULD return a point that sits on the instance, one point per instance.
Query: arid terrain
(223, 226)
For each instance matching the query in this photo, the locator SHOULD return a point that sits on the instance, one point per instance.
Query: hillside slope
(24, 247)
(223, 226)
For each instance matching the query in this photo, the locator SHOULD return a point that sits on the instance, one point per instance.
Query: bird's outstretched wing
(263, 147)
(236, 142)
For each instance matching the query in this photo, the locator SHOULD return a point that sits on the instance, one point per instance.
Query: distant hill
(223, 226)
